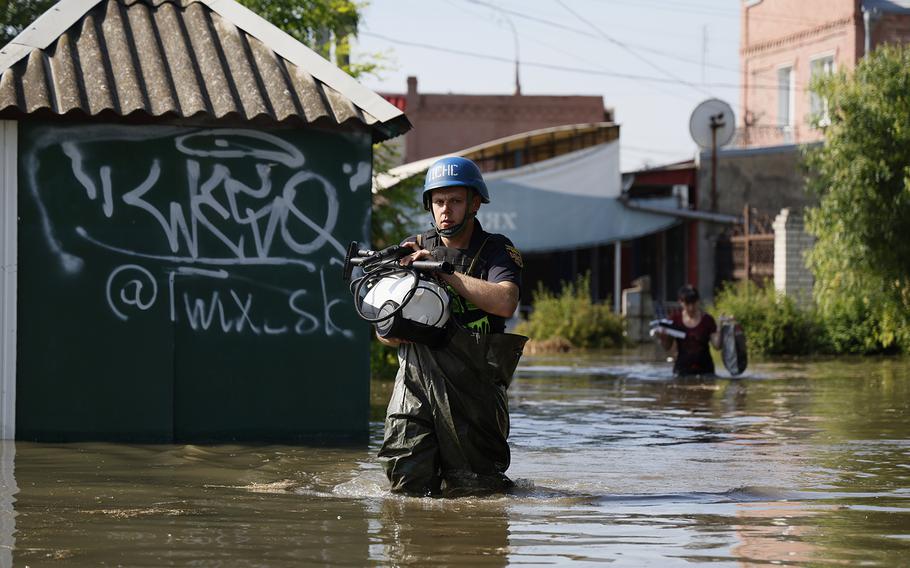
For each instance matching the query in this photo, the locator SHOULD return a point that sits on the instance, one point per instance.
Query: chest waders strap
(465, 312)
(476, 256)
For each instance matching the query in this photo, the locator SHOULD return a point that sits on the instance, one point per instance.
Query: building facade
(784, 44)
(445, 123)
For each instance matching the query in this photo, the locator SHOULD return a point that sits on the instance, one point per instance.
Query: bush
(572, 316)
(866, 322)
(774, 323)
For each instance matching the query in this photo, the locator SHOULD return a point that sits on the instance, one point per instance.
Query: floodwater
(797, 463)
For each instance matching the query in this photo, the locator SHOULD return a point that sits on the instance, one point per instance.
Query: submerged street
(794, 463)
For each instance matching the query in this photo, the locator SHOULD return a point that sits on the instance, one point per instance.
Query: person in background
(693, 356)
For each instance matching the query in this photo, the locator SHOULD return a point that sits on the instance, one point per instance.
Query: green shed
(179, 180)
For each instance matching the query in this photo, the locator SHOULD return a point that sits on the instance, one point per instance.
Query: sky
(652, 61)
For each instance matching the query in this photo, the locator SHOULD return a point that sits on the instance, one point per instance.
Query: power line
(628, 49)
(553, 67)
(594, 35)
(703, 10)
(574, 56)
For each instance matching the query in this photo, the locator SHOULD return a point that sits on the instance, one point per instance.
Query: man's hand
(418, 254)
(391, 341)
(499, 298)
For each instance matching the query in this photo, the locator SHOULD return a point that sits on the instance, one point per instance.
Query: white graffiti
(142, 283)
(216, 199)
(233, 143)
(217, 222)
(361, 178)
(233, 312)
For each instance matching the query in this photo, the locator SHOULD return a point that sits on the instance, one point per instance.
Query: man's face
(450, 204)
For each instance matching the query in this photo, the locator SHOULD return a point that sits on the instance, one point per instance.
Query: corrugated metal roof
(188, 59)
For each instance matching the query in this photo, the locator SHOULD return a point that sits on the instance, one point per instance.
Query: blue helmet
(454, 171)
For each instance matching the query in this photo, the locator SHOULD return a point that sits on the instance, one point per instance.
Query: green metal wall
(184, 284)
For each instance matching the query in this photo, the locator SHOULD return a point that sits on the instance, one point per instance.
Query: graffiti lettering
(131, 291)
(248, 200)
(307, 323)
(231, 313)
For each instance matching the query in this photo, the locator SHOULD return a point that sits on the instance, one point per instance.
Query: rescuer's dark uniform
(448, 418)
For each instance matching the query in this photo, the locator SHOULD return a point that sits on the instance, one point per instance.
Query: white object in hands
(664, 326)
(428, 306)
(668, 331)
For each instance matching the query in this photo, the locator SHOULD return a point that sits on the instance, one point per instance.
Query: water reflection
(8, 490)
(801, 463)
(473, 532)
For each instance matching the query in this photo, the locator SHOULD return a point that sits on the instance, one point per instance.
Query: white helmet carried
(423, 313)
(403, 302)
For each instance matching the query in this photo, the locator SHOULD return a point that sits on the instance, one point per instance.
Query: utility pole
(704, 53)
(515, 36)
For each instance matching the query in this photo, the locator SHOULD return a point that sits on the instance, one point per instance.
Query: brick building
(785, 43)
(445, 123)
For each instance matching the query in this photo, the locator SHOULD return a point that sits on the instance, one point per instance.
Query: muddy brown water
(797, 463)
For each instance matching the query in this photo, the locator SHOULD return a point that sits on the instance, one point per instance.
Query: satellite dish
(711, 118)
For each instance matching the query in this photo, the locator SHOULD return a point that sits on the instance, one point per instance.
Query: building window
(818, 106)
(786, 90)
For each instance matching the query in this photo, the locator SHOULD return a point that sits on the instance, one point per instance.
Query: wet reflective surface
(797, 463)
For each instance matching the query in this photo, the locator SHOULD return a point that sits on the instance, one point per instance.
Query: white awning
(568, 202)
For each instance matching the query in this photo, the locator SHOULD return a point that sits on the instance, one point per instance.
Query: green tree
(861, 259)
(323, 25)
(396, 209)
(16, 14)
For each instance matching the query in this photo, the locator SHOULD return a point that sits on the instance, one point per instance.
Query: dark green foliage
(15, 15)
(383, 361)
(323, 25)
(310, 22)
(774, 323)
(397, 208)
(861, 259)
(571, 315)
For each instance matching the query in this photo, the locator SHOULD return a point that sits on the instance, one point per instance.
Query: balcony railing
(750, 136)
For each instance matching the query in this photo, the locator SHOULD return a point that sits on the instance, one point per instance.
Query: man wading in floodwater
(448, 418)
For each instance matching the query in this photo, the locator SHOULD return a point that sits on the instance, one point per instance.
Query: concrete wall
(791, 242)
(637, 309)
(768, 179)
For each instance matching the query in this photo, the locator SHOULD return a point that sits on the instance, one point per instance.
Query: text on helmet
(443, 170)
